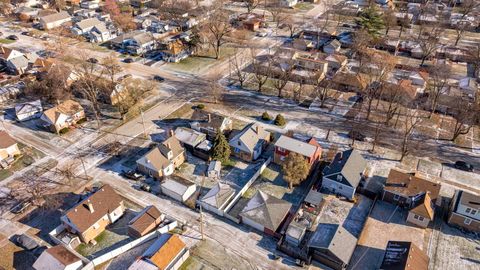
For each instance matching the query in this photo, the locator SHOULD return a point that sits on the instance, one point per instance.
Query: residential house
(8, 149)
(344, 174)
(54, 20)
(311, 150)
(89, 4)
(168, 252)
(145, 221)
(93, 30)
(400, 255)
(28, 110)
(332, 47)
(139, 3)
(302, 44)
(6, 54)
(336, 61)
(288, 3)
(349, 81)
(214, 169)
(18, 65)
(58, 258)
(332, 245)
(210, 122)
(175, 52)
(139, 43)
(62, 116)
(194, 141)
(295, 233)
(250, 142)
(93, 214)
(465, 211)
(162, 160)
(10, 91)
(265, 213)
(115, 95)
(413, 192)
(217, 198)
(178, 188)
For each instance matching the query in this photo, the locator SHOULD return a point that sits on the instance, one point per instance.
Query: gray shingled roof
(266, 210)
(218, 195)
(334, 238)
(350, 164)
(294, 145)
(250, 137)
(88, 23)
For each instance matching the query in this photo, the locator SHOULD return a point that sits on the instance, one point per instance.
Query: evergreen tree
(280, 120)
(221, 149)
(372, 21)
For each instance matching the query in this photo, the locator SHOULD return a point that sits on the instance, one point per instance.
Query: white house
(288, 3)
(8, 149)
(58, 258)
(217, 198)
(332, 47)
(54, 20)
(28, 110)
(344, 173)
(178, 188)
(89, 5)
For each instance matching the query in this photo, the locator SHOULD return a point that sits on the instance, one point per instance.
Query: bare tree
(474, 59)
(466, 115)
(216, 90)
(429, 42)
(278, 15)
(283, 77)
(440, 73)
(237, 63)
(404, 23)
(291, 24)
(261, 69)
(251, 4)
(216, 29)
(323, 90)
(460, 29)
(467, 7)
(411, 120)
(51, 84)
(389, 19)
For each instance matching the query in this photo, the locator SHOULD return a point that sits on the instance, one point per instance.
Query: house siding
(389, 197)
(338, 188)
(459, 220)
(423, 224)
(253, 224)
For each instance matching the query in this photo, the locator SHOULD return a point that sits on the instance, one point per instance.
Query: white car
(262, 34)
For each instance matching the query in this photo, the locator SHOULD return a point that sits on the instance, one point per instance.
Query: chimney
(209, 118)
(90, 206)
(172, 133)
(168, 146)
(340, 156)
(257, 129)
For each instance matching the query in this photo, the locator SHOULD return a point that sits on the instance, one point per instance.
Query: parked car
(353, 134)
(21, 207)
(128, 60)
(464, 166)
(12, 37)
(261, 34)
(25, 33)
(126, 76)
(145, 187)
(158, 78)
(132, 175)
(25, 241)
(92, 60)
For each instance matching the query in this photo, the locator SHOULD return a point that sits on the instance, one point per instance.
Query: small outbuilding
(178, 188)
(214, 169)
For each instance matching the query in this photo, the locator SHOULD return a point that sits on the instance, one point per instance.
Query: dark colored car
(25, 241)
(128, 60)
(353, 134)
(26, 33)
(464, 166)
(12, 37)
(158, 78)
(92, 60)
(20, 208)
(132, 175)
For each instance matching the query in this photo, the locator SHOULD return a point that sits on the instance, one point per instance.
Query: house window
(396, 197)
(95, 226)
(473, 212)
(468, 210)
(418, 217)
(467, 221)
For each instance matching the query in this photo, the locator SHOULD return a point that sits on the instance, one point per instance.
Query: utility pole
(84, 169)
(201, 211)
(143, 123)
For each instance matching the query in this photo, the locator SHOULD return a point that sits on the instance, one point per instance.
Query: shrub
(279, 120)
(201, 106)
(266, 117)
(81, 121)
(63, 130)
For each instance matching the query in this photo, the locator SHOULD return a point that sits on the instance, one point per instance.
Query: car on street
(20, 208)
(92, 60)
(356, 135)
(128, 60)
(12, 37)
(132, 175)
(261, 34)
(158, 78)
(464, 166)
(25, 33)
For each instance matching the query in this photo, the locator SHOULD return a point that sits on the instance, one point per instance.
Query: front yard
(28, 157)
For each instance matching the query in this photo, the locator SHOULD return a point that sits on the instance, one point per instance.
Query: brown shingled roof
(145, 219)
(105, 200)
(63, 255)
(5, 140)
(410, 184)
(425, 209)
